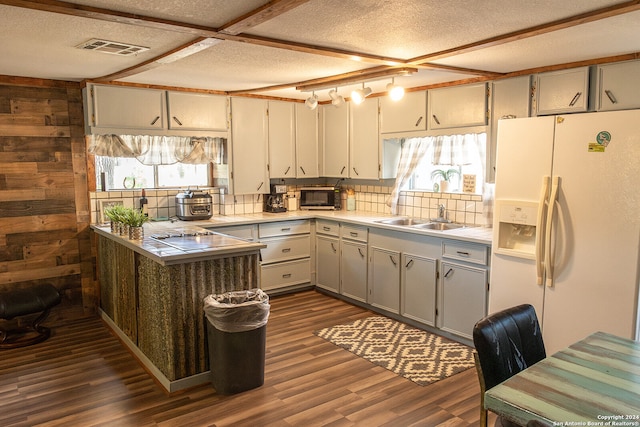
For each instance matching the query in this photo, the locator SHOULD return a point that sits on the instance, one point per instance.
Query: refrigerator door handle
(547, 230)
(542, 207)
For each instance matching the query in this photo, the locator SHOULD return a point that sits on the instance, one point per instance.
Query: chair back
(508, 342)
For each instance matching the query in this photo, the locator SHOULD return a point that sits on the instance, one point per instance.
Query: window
(127, 173)
(460, 158)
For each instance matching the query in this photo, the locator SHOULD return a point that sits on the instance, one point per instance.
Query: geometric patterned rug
(412, 353)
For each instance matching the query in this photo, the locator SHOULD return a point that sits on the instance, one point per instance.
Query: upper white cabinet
(282, 144)
(510, 99)
(408, 114)
(249, 141)
(335, 147)
(565, 91)
(619, 86)
(126, 107)
(458, 106)
(194, 111)
(306, 142)
(364, 140)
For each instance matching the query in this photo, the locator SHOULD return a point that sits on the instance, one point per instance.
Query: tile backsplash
(460, 207)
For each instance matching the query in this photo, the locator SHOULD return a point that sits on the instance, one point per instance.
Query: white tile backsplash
(460, 207)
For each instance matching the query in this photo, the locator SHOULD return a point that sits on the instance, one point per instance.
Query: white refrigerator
(567, 223)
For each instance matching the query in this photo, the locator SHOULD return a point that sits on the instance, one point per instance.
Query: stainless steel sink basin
(402, 221)
(440, 226)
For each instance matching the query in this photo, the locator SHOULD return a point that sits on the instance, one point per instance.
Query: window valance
(159, 150)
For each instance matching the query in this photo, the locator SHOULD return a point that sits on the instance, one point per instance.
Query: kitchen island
(152, 292)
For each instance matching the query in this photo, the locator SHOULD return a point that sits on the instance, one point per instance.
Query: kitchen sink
(440, 226)
(402, 221)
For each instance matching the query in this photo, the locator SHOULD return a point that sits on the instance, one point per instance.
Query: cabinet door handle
(462, 253)
(611, 97)
(286, 275)
(360, 252)
(575, 99)
(449, 273)
(325, 228)
(286, 250)
(175, 119)
(286, 229)
(418, 122)
(155, 120)
(260, 186)
(333, 247)
(393, 261)
(342, 170)
(409, 264)
(287, 171)
(302, 169)
(353, 234)
(355, 171)
(435, 119)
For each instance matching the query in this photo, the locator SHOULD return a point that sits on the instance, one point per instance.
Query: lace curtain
(454, 150)
(159, 150)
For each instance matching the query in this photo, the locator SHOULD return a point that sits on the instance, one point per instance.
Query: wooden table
(595, 380)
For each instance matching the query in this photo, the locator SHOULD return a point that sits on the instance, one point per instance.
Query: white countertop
(167, 255)
(472, 234)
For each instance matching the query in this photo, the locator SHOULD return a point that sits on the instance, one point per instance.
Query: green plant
(444, 175)
(115, 213)
(135, 217)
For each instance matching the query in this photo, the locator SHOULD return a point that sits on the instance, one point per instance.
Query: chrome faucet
(441, 214)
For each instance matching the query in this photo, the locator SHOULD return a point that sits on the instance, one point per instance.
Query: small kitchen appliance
(193, 205)
(320, 198)
(274, 202)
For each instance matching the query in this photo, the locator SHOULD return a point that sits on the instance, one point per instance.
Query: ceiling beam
(561, 24)
(262, 14)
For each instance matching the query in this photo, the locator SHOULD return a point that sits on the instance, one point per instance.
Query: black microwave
(320, 198)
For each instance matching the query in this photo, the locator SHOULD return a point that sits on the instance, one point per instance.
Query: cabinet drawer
(469, 252)
(283, 228)
(285, 274)
(353, 232)
(329, 228)
(285, 248)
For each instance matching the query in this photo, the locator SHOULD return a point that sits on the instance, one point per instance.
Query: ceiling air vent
(114, 48)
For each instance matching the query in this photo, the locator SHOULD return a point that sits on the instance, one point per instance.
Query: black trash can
(236, 333)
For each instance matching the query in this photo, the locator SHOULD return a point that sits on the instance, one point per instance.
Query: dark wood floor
(83, 376)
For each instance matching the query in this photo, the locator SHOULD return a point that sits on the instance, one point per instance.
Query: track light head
(336, 99)
(395, 92)
(359, 95)
(312, 101)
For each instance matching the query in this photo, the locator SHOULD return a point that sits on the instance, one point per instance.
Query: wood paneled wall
(44, 200)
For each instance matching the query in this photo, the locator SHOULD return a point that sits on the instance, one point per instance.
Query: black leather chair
(506, 342)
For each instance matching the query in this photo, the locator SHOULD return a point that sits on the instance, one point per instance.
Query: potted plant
(135, 218)
(115, 214)
(444, 176)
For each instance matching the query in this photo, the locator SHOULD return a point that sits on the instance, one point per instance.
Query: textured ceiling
(41, 44)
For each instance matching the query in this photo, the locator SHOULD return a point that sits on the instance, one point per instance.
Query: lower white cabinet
(285, 261)
(353, 262)
(463, 296)
(328, 263)
(384, 279)
(463, 287)
(418, 284)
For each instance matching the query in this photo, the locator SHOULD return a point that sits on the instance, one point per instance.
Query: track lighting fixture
(336, 99)
(312, 101)
(395, 92)
(359, 95)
